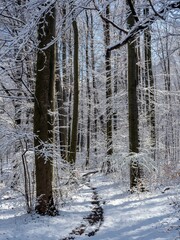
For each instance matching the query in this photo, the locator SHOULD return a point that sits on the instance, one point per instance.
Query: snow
(142, 216)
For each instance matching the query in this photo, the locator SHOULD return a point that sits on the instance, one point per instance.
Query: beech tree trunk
(43, 113)
(133, 107)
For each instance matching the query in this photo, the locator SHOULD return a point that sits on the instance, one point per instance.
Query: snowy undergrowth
(142, 216)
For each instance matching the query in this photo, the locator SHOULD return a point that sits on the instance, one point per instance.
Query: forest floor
(99, 210)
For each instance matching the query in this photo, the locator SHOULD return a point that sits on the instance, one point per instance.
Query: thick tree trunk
(133, 107)
(43, 113)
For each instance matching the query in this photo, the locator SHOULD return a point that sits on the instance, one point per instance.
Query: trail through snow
(145, 216)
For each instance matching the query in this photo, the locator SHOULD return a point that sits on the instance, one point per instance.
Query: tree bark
(108, 89)
(72, 154)
(88, 92)
(95, 96)
(43, 113)
(150, 102)
(133, 107)
(62, 108)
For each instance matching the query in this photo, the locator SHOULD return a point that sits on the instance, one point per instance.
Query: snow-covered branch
(142, 25)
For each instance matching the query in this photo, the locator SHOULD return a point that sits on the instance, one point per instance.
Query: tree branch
(108, 20)
(113, 24)
(154, 10)
(133, 10)
(141, 25)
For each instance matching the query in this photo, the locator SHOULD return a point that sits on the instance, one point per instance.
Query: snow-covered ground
(145, 216)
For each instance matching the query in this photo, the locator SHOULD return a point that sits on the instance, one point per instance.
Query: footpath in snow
(124, 216)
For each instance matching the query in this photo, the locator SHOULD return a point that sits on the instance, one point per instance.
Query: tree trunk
(43, 113)
(108, 89)
(73, 145)
(133, 107)
(95, 97)
(62, 108)
(70, 83)
(150, 87)
(88, 92)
